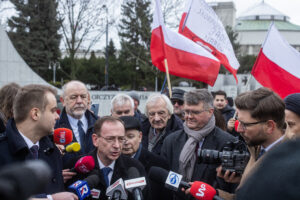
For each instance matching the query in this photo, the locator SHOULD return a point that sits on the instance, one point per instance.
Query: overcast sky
(289, 7)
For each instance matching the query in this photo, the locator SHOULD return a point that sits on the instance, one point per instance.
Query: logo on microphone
(201, 190)
(173, 178)
(84, 190)
(62, 138)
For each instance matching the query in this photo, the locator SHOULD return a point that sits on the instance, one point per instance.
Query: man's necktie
(35, 151)
(81, 135)
(105, 171)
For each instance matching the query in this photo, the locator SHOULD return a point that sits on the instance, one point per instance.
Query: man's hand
(67, 174)
(230, 124)
(60, 196)
(64, 196)
(61, 148)
(187, 191)
(227, 176)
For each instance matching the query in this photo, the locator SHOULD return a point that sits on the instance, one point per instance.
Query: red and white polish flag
(278, 65)
(200, 23)
(185, 58)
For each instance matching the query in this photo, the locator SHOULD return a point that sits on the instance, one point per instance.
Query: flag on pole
(278, 65)
(201, 24)
(185, 58)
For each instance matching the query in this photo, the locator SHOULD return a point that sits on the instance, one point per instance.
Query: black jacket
(13, 149)
(123, 163)
(63, 122)
(149, 159)
(227, 113)
(174, 124)
(215, 140)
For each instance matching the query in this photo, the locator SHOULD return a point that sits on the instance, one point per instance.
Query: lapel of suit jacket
(119, 170)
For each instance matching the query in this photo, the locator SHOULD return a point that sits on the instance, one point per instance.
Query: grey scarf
(187, 158)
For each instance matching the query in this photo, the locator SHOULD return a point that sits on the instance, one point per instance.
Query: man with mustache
(160, 122)
(76, 116)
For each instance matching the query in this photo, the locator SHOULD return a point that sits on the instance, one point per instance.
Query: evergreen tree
(135, 33)
(34, 33)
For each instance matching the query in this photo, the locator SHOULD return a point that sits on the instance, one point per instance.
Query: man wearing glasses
(109, 139)
(261, 123)
(199, 131)
(160, 122)
(76, 116)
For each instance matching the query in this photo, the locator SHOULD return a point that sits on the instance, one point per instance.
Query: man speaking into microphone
(109, 138)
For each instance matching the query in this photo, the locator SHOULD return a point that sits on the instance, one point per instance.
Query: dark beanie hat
(177, 94)
(292, 103)
(131, 122)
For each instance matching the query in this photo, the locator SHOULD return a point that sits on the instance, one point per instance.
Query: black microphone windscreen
(92, 180)
(133, 172)
(158, 174)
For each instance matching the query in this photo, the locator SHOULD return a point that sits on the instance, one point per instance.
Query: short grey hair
(65, 86)
(154, 98)
(121, 99)
(194, 97)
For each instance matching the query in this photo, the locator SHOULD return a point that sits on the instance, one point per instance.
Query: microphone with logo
(116, 191)
(203, 191)
(84, 165)
(136, 184)
(171, 179)
(82, 187)
(63, 136)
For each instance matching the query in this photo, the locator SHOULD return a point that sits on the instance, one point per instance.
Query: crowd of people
(169, 133)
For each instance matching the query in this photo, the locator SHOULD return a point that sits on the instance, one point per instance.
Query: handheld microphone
(236, 124)
(203, 191)
(62, 136)
(171, 179)
(82, 187)
(13, 186)
(116, 190)
(73, 147)
(84, 165)
(135, 185)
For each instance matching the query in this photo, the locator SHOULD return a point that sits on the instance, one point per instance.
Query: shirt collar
(101, 165)
(273, 144)
(28, 141)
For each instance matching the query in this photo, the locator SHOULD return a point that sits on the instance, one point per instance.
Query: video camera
(234, 157)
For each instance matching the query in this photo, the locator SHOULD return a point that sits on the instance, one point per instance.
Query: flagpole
(168, 77)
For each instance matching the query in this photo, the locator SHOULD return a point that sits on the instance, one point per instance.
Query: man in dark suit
(76, 116)
(160, 123)
(26, 135)
(109, 138)
(199, 131)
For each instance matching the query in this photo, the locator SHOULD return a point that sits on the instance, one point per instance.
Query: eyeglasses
(113, 139)
(193, 112)
(179, 102)
(244, 125)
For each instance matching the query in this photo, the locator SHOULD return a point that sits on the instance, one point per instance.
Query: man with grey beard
(76, 116)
